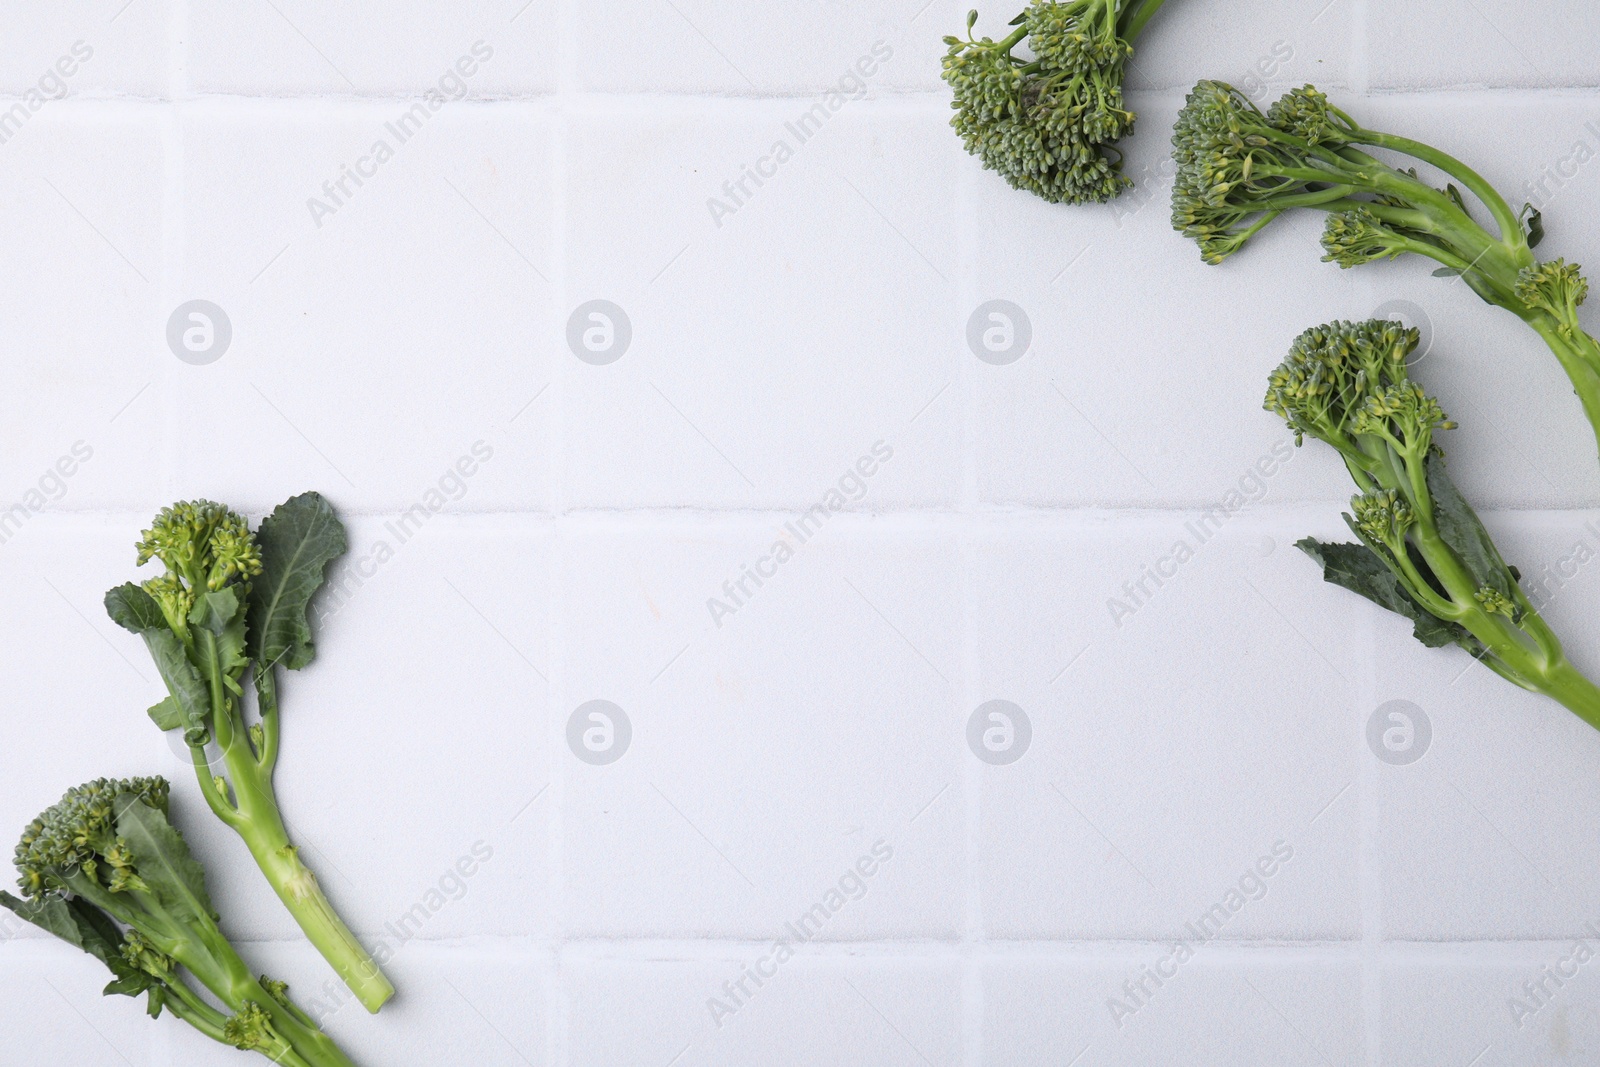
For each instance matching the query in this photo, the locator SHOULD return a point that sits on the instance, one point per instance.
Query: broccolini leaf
(1358, 569)
(133, 609)
(188, 705)
(1533, 219)
(75, 921)
(79, 923)
(164, 862)
(1459, 526)
(298, 541)
(168, 715)
(221, 613)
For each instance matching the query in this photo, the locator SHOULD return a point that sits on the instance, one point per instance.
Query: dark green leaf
(298, 541)
(133, 609)
(1534, 220)
(79, 923)
(222, 614)
(1019, 20)
(74, 921)
(1360, 570)
(131, 985)
(1459, 526)
(1447, 272)
(164, 861)
(184, 683)
(188, 696)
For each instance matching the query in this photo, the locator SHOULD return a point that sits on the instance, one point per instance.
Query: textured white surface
(1175, 745)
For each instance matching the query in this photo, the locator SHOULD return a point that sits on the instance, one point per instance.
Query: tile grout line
(558, 1040)
(973, 931)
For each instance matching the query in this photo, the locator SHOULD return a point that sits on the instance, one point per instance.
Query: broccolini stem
(315, 1048)
(212, 1023)
(268, 840)
(1564, 682)
(266, 680)
(1580, 358)
(1510, 226)
(1134, 19)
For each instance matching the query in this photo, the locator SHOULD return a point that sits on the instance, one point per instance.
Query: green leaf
(164, 862)
(75, 921)
(131, 985)
(1533, 219)
(298, 541)
(188, 704)
(1447, 272)
(79, 923)
(168, 715)
(133, 609)
(222, 614)
(1360, 570)
(1459, 526)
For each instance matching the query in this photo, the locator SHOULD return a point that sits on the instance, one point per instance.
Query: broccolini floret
(1423, 553)
(1049, 124)
(1240, 168)
(105, 870)
(232, 602)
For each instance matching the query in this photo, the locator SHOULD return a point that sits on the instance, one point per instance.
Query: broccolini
(231, 602)
(1240, 168)
(1050, 124)
(1422, 553)
(104, 870)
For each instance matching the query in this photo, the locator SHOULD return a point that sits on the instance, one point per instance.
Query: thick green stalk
(261, 826)
(1579, 356)
(1565, 683)
(252, 811)
(1136, 17)
(200, 947)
